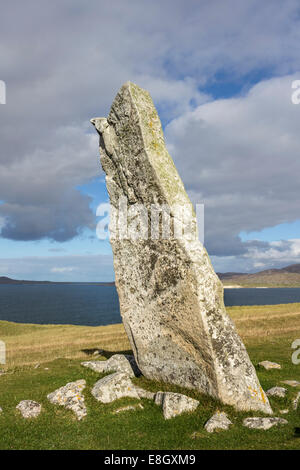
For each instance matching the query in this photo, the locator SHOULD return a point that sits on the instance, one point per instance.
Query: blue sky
(220, 74)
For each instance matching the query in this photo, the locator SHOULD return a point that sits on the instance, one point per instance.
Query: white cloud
(240, 157)
(84, 268)
(63, 270)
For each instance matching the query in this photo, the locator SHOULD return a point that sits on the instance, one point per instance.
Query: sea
(94, 305)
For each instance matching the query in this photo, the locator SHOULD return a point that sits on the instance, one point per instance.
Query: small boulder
(70, 396)
(174, 404)
(114, 386)
(29, 408)
(291, 383)
(263, 423)
(218, 421)
(116, 363)
(269, 365)
(296, 401)
(277, 392)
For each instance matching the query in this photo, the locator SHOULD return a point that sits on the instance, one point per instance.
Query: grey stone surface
(174, 404)
(296, 401)
(263, 423)
(29, 408)
(116, 363)
(145, 393)
(269, 365)
(218, 421)
(276, 392)
(114, 386)
(171, 300)
(70, 396)
(129, 408)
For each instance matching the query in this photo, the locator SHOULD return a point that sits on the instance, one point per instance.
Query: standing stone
(171, 300)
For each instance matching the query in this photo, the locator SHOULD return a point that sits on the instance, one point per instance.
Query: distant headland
(7, 280)
(284, 277)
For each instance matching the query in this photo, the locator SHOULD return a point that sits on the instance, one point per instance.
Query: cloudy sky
(220, 73)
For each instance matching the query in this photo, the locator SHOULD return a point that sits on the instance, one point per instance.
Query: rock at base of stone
(219, 421)
(70, 396)
(269, 365)
(291, 383)
(128, 408)
(145, 393)
(263, 423)
(277, 392)
(29, 408)
(296, 401)
(113, 387)
(116, 363)
(174, 404)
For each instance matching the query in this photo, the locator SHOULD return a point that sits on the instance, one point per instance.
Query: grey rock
(116, 363)
(269, 365)
(171, 300)
(128, 408)
(296, 401)
(70, 396)
(263, 423)
(218, 421)
(145, 393)
(277, 392)
(29, 408)
(174, 404)
(113, 387)
(284, 412)
(291, 383)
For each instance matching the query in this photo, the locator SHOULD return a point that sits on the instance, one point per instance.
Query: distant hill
(285, 277)
(7, 280)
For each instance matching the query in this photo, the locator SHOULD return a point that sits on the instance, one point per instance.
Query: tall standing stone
(171, 300)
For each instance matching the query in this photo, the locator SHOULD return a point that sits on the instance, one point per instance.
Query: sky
(220, 73)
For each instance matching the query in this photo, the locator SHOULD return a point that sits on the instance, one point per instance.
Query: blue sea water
(92, 305)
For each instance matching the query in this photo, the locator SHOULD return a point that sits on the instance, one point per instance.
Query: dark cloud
(63, 62)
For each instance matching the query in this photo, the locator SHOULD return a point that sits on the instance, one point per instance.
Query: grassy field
(267, 331)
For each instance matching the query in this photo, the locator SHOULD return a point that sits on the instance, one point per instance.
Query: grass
(267, 331)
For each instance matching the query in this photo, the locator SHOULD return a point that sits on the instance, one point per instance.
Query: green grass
(268, 332)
